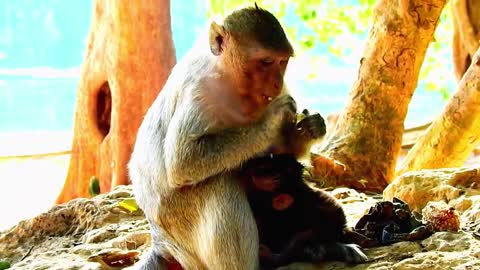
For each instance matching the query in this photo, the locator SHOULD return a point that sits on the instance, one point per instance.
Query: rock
(445, 250)
(355, 204)
(441, 216)
(417, 188)
(470, 218)
(382, 258)
(68, 235)
(87, 233)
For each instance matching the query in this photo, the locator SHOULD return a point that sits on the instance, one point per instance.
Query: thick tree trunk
(466, 33)
(368, 135)
(129, 56)
(451, 138)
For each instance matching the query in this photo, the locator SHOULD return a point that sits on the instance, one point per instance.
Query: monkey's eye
(266, 61)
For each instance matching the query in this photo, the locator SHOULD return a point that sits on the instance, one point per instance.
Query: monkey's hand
(284, 106)
(299, 137)
(311, 127)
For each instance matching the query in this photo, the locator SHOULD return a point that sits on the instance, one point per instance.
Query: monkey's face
(264, 73)
(258, 75)
(253, 53)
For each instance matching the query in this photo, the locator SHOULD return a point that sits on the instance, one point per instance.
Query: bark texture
(466, 33)
(451, 138)
(368, 135)
(129, 55)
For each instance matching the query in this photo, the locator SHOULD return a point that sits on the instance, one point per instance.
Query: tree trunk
(129, 55)
(368, 135)
(451, 138)
(466, 33)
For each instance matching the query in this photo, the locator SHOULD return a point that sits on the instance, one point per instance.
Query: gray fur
(151, 261)
(182, 170)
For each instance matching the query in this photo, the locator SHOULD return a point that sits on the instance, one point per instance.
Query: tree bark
(451, 138)
(129, 55)
(362, 150)
(466, 33)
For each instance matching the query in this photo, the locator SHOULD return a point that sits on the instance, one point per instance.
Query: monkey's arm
(194, 152)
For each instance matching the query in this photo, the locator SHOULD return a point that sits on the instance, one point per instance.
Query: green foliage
(341, 27)
(94, 186)
(437, 69)
(4, 265)
(222, 7)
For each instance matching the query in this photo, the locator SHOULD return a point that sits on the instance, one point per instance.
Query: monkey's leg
(350, 253)
(227, 235)
(290, 253)
(151, 261)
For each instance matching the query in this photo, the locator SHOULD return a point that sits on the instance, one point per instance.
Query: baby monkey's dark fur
(295, 222)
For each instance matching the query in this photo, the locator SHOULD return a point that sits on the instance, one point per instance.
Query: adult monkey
(220, 107)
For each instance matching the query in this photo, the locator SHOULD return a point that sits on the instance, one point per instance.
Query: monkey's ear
(216, 38)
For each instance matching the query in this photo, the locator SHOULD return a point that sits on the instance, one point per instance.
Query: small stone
(441, 217)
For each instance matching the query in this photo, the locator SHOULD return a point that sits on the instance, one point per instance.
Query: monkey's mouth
(267, 98)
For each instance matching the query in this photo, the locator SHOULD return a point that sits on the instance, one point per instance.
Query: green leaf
(94, 186)
(129, 205)
(308, 41)
(4, 265)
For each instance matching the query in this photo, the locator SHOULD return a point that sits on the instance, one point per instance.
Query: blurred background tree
(340, 27)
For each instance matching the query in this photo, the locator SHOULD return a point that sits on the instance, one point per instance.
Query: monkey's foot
(349, 253)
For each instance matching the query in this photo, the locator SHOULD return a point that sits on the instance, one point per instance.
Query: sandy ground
(30, 184)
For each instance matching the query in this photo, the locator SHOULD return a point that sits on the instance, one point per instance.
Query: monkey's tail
(151, 261)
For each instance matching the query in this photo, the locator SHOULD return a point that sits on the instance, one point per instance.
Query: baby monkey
(295, 222)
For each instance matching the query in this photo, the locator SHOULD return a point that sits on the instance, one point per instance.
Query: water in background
(41, 48)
